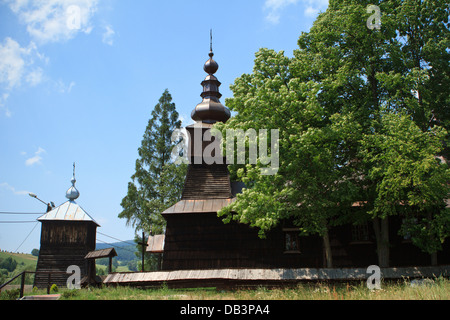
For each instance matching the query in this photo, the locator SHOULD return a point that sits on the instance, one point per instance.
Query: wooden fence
(22, 281)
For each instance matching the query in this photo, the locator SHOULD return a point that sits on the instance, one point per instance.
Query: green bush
(53, 288)
(9, 264)
(70, 294)
(10, 294)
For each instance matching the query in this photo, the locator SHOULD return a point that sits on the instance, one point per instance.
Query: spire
(72, 194)
(210, 110)
(210, 41)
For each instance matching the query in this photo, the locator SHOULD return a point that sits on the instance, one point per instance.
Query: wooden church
(196, 238)
(68, 234)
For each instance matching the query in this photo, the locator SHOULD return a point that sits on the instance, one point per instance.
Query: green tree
(308, 186)
(132, 265)
(157, 182)
(352, 126)
(410, 181)
(404, 177)
(9, 264)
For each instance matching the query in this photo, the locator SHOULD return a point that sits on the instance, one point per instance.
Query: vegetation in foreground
(438, 289)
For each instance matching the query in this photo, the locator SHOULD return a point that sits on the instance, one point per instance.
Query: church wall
(63, 243)
(203, 241)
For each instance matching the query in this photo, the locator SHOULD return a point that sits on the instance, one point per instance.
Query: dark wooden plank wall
(63, 243)
(203, 241)
(350, 253)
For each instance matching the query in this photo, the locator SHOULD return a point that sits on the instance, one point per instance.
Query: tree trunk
(434, 261)
(381, 228)
(433, 255)
(159, 266)
(327, 250)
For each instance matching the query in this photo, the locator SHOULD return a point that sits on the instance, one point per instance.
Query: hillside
(12, 264)
(125, 251)
(24, 258)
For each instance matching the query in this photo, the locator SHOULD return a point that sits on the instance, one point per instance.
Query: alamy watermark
(374, 280)
(241, 147)
(374, 21)
(73, 17)
(74, 280)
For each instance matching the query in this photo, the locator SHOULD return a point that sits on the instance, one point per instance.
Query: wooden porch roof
(155, 244)
(198, 206)
(103, 253)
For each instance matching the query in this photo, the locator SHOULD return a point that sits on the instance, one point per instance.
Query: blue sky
(79, 79)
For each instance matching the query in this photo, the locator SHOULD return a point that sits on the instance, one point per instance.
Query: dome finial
(211, 54)
(72, 193)
(210, 66)
(210, 110)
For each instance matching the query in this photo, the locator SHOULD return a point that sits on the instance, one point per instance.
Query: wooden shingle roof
(198, 206)
(207, 182)
(155, 243)
(103, 253)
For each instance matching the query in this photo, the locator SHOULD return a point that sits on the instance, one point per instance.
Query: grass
(26, 259)
(439, 289)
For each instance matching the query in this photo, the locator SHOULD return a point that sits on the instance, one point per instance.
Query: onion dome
(72, 194)
(211, 66)
(210, 110)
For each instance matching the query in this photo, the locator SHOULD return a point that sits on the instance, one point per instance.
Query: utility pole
(50, 205)
(144, 246)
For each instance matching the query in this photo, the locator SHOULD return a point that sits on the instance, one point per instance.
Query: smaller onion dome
(72, 193)
(211, 66)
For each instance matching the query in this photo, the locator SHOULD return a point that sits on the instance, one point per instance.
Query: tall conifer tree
(157, 183)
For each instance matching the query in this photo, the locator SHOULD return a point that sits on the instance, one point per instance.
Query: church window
(360, 233)
(291, 241)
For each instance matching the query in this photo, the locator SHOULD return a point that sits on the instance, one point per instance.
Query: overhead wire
(116, 238)
(37, 222)
(17, 221)
(32, 213)
(18, 213)
(116, 246)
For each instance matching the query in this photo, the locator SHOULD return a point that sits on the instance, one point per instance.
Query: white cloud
(13, 190)
(313, 7)
(46, 21)
(278, 4)
(274, 8)
(311, 12)
(54, 20)
(17, 64)
(36, 159)
(12, 63)
(108, 36)
(3, 106)
(61, 87)
(35, 77)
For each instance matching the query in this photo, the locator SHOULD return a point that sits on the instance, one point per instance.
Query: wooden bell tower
(68, 233)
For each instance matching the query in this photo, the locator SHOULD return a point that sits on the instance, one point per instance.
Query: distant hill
(11, 264)
(125, 250)
(24, 258)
